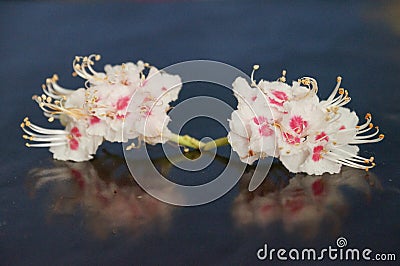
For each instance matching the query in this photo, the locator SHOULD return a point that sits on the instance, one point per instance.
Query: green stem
(187, 141)
(216, 143)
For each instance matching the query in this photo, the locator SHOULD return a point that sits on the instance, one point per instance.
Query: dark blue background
(359, 41)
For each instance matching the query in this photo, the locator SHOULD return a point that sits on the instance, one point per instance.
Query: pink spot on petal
(122, 103)
(73, 144)
(290, 139)
(342, 127)
(94, 120)
(322, 136)
(273, 101)
(280, 95)
(254, 98)
(316, 156)
(265, 130)
(260, 120)
(119, 117)
(164, 89)
(75, 132)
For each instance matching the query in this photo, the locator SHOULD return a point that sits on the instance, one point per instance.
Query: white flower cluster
(291, 123)
(116, 105)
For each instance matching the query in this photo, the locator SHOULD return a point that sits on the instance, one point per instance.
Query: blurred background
(92, 213)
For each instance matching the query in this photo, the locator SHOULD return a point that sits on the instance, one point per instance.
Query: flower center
(317, 153)
(122, 103)
(297, 124)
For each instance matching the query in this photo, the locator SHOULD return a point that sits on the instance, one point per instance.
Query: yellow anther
(256, 67)
(368, 115)
(381, 136)
(341, 91)
(22, 125)
(26, 119)
(97, 57)
(27, 145)
(74, 74)
(371, 125)
(339, 78)
(51, 119)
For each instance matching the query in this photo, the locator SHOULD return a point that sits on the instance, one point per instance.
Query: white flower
(312, 136)
(73, 143)
(252, 133)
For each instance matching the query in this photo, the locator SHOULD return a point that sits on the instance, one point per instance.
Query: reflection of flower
(303, 204)
(106, 193)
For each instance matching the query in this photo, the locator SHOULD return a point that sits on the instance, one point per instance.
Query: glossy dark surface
(92, 213)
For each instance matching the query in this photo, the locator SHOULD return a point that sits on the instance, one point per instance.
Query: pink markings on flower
(119, 117)
(94, 120)
(260, 120)
(73, 144)
(163, 89)
(254, 98)
(280, 95)
(317, 187)
(342, 127)
(75, 132)
(297, 124)
(122, 103)
(273, 101)
(264, 129)
(316, 156)
(322, 136)
(290, 139)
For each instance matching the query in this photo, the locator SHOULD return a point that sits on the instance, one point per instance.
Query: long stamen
(55, 108)
(51, 137)
(253, 82)
(338, 82)
(45, 145)
(91, 62)
(351, 162)
(370, 135)
(361, 139)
